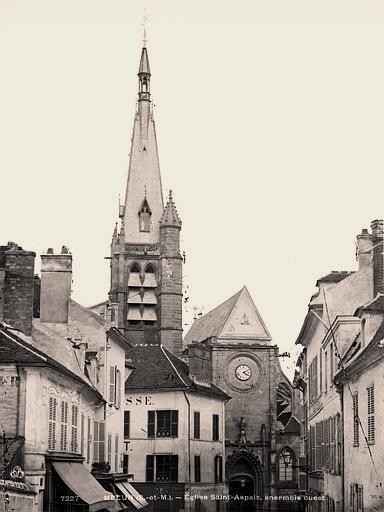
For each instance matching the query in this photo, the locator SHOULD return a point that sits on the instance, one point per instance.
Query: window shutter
(371, 415)
(52, 423)
(215, 427)
(64, 425)
(197, 469)
(151, 424)
(109, 449)
(125, 463)
(351, 500)
(359, 498)
(355, 406)
(75, 416)
(101, 441)
(174, 468)
(89, 441)
(82, 426)
(96, 442)
(150, 468)
(220, 463)
(321, 370)
(127, 418)
(196, 425)
(118, 385)
(174, 423)
(116, 453)
(112, 384)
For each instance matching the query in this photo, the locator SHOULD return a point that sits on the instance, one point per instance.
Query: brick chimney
(16, 287)
(56, 280)
(200, 363)
(377, 251)
(364, 248)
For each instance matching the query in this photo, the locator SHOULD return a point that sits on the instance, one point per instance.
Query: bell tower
(145, 254)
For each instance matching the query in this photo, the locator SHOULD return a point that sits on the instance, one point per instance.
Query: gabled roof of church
(235, 318)
(156, 368)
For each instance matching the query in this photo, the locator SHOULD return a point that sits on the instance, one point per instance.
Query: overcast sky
(269, 119)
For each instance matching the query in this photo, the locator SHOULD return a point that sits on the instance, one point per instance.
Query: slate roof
(158, 369)
(376, 305)
(211, 324)
(334, 277)
(45, 348)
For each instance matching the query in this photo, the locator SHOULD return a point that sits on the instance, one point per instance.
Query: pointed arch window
(145, 217)
(286, 463)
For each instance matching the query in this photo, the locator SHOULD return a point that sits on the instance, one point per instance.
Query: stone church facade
(262, 417)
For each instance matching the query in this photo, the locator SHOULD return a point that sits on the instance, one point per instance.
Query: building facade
(262, 421)
(331, 331)
(61, 399)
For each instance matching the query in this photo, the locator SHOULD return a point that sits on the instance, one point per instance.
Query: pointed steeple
(143, 206)
(170, 216)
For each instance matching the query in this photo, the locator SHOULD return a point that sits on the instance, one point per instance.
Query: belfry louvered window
(371, 414)
(355, 410)
(63, 425)
(52, 423)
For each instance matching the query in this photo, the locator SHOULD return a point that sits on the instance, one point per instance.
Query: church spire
(143, 206)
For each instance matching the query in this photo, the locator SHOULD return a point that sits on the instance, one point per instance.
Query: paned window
(285, 465)
(163, 423)
(162, 468)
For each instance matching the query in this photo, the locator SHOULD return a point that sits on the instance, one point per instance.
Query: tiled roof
(157, 368)
(211, 324)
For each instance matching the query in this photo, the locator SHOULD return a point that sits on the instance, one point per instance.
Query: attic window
(145, 217)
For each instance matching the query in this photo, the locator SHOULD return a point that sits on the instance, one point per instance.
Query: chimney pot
(50, 251)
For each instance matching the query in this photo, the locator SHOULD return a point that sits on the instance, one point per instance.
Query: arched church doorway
(245, 482)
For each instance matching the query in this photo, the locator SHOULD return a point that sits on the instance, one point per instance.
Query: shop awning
(130, 493)
(81, 482)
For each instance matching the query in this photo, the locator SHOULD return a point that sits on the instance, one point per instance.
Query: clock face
(243, 372)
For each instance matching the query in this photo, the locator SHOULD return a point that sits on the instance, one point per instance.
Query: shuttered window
(196, 425)
(63, 425)
(150, 469)
(356, 498)
(74, 427)
(319, 445)
(371, 414)
(321, 370)
(52, 423)
(332, 462)
(356, 421)
(82, 427)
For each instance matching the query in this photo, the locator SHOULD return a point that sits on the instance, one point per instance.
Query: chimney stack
(364, 248)
(56, 280)
(377, 251)
(16, 287)
(200, 363)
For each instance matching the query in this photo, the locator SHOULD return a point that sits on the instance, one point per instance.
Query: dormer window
(145, 217)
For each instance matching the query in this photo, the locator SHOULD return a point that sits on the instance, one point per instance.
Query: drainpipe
(189, 438)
